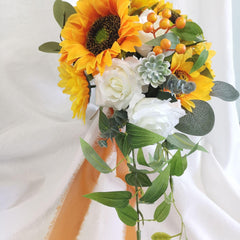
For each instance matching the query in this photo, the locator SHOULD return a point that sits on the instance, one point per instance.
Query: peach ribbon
(74, 208)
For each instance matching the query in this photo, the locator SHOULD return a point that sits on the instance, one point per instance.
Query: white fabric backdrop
(39, 142)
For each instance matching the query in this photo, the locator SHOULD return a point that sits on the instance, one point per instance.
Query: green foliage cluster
(164, 164)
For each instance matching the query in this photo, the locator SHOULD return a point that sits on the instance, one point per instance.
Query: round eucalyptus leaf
(199, 122)
(224, 91)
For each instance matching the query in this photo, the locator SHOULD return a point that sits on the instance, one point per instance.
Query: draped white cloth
(39, 141)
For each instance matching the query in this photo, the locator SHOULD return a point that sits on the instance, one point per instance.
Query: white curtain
(39, 141)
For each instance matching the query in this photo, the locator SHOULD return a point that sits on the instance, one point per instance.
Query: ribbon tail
(75, 207)
(121, 171)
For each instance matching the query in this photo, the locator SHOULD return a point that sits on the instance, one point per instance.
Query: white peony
(159, 116)
(118, 84)
(145, 37)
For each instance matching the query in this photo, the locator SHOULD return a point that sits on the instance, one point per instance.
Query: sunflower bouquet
(149, 69)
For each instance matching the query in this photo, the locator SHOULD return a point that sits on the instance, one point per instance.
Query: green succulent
(153, 69)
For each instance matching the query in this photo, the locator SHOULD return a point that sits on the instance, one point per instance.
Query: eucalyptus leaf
(50, 47)
(62, 11)
(103, 143)
(93, 158)
(183, 142)
(191, 32)
(200, 61)
(127, 215)
(140, 137)
(162, 211)
(118, 199)
(224, 91)
(141, 159)
(170, 36)
(199, 122)
(158, 188)
(178, 164)
(161, 236)
(138, 179)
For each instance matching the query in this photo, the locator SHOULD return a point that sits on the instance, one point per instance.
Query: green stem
(176, 235)
(137, 201)
(179, 214)
(147, 220)
(118, 165)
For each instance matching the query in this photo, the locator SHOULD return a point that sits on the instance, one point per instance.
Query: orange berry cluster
(165, 24)
(165, 44)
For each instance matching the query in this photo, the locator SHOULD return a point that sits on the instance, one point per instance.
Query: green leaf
(170, 36)
(224, 91)
(62, 11)
(178, 164)
(127, 215)
(200, 61)
(193, 59)
(195, 148)
(162, 211)
(191, 32)
(103, 122)
(118, 199)
(199, 122)
(161, 236)
(183, 142)
(50, 47)
(140, 137)
(158, 153)
(140, 158)
(157, 162)
(207, 73)
(158, 188)
(138, 179)
(135, 170)
(93, 158)
(122, 142)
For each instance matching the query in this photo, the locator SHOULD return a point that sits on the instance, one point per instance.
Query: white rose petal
(118, 84)
(159, 116)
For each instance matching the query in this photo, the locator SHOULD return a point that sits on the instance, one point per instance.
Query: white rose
(145, 37)
(159, 116)
(119, 82)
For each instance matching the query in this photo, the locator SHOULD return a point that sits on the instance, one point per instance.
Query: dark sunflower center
(103, 33)
(182, 75)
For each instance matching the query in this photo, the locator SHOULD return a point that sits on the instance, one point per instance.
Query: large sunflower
(97, 33)
(76, 85)
(181, 67)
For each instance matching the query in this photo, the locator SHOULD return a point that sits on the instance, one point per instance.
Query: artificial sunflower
(77, 86)
(97, 33)
(181, 67)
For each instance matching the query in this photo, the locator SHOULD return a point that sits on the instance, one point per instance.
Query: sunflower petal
(130, 42)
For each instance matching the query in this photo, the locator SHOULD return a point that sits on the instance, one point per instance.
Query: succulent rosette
(151, 69)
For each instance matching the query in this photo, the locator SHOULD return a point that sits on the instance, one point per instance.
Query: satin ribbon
(74, 208)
